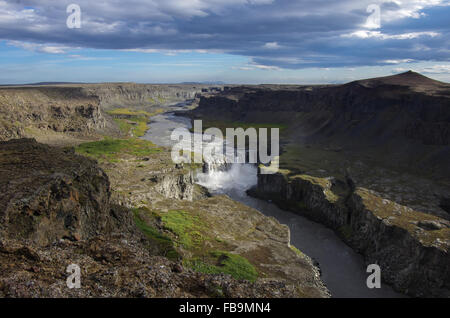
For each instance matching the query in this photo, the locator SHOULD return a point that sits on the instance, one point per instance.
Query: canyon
(368, 159)
(135, 222)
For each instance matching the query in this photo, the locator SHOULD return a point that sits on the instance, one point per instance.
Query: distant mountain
(204, 83)
(413, 80)
(43, 84)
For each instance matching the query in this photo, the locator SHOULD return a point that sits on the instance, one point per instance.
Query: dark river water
(343, 270)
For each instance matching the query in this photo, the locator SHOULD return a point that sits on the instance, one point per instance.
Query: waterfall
(215, 163)
(219, 176)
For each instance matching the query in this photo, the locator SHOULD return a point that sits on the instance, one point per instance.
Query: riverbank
(210, 235)
(342, 269)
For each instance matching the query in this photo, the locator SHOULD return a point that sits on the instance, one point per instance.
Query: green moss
(134, 122)
(186, 227)
(297, 251)
(224, 262)
(164, 243)
(136, 126)
(111, 149)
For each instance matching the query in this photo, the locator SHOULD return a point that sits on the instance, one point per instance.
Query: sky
(232, 41)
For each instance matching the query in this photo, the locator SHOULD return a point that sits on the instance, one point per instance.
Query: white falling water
(239, 177)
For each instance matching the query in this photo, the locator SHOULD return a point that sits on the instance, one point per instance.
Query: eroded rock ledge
(411, 247)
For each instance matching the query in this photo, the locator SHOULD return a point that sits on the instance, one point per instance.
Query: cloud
(364, 34)
(397, 61)
(437, 69)
(51, 49)
(255, 66)
(272, 33)
(271, 45)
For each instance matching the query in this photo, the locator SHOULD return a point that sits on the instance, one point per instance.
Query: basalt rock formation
(141, 95)
(411, 247)
(78, 109)
(405, 117)
(58, 109)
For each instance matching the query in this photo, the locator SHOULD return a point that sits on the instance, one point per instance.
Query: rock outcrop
(48, 194)
(411, 247)
(58, 109)
(140, 95)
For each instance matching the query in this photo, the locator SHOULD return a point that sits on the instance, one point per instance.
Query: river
(343, 270)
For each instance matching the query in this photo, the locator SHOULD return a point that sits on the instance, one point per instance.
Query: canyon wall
(412, 248)
(59, 109)
(369, 112)
(401, 122)
(141, 95)
(79, 109)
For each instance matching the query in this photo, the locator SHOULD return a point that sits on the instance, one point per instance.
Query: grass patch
(132, 122)
(164, 243)
(111, 149)
(128, 112)
(187, 227)
(224, 262)
(134, 126)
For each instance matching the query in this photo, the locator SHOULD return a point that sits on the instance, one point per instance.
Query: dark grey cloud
(282, 33)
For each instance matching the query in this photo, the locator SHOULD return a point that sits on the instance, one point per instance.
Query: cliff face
(58, 109)
(407, 106)
(140, 95)
(79, 109)
(412, 248)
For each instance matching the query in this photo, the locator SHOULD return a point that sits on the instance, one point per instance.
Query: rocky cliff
(411, 247)
(408, 105)
(78, 109)
(141, 95)
(49, 194)
(57, 208)
(58, 109)
(406, 117)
